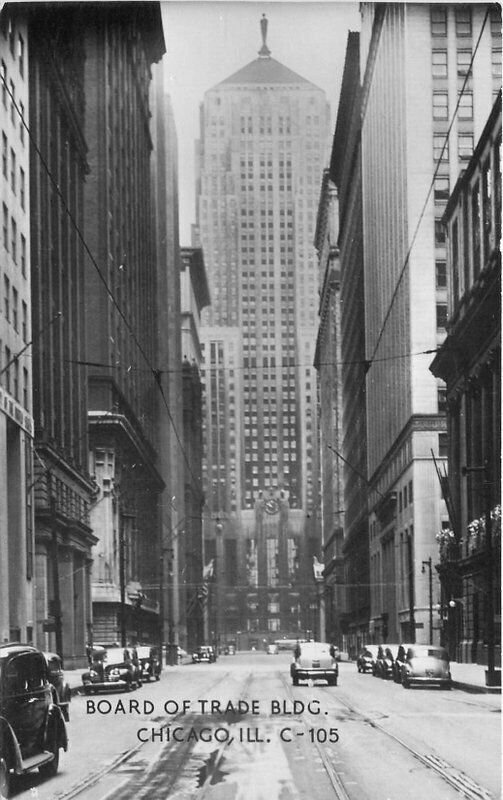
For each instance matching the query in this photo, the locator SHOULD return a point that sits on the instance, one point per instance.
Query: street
(238, 729)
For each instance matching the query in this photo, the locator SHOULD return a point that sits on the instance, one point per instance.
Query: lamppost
(219, 575)
(430, 593)
(318, 568)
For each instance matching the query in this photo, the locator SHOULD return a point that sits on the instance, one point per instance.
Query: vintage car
(32, 727)
(366, 660)
(384, 661)
(111, 668)
(57, 678)
(314, 661)
(426, 665)
(204, 653)
(149, 662)
(399, 661)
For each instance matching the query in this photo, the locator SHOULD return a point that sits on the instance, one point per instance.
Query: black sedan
(112, 668)
(367, 659)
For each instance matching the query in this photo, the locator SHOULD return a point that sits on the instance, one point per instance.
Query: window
(12, 102)
(496, 62)
(13, 229)
(21, 122)
(439, 63)
(442, 399)
(465, 146)
(13, 170)
(463, 61)
(5, 226)
(24, 321)
(439, 232)
(463, 16)
(23, 256)
(441, 315)
(440, 148)
(438, 21)
(4, 155)
(21, 55)
(465, 108)
(6, 297)
(441, 190)
(15, 321)
(440, 105)
(442, 445)
(22, 194)
(3, 80)
(440, 274)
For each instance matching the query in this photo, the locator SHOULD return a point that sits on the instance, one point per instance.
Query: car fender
(10, 745)
(55, 717)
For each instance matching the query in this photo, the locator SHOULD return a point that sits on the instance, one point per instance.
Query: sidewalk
(471, 678)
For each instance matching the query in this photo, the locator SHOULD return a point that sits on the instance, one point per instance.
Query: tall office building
(430, 72)
(16, 421)
(261, 154)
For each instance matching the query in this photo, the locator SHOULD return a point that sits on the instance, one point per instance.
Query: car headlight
(147, 664)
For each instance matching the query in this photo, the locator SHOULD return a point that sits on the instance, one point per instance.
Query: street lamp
(430, 586)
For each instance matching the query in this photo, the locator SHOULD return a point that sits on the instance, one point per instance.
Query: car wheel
(158, 677)
(6, 779)
(295, 681)
(405, 682)
(50, 770)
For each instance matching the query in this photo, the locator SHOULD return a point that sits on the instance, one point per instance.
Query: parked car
(149, 662)
(366, 660)
(272, 649)
(32, 727)
(399, 661)
(314, 660)
(204, 653)
(112, 668)
(61, 686)
(426, 665)
(384, 660)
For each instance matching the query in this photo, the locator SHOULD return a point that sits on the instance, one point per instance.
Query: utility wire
(425, 204)
(155, 373)
(40, 333)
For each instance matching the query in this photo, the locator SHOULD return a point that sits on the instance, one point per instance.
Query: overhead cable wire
(155, 372)
(426, 201)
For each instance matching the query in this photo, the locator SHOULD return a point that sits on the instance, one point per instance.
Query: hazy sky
(208, 40)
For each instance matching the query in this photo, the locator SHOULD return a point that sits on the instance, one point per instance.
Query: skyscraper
(430, 74)
(261, 157)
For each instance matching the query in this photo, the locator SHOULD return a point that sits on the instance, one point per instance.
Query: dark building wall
(345, 170)
(63, 491)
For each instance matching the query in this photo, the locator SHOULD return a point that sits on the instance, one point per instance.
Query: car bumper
(314, 674)
(119, 683)
(428, 680)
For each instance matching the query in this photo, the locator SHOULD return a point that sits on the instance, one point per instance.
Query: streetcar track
(451, 775)
(91, 780)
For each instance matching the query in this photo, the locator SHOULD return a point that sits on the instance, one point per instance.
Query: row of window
(10, 239)
(10, 376)
(441, 147)
(10, 171)
(462, 20)
(441, 105)
(11, 308)
(439, 62)
(12, 36)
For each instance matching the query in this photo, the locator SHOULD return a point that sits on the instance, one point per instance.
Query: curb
(475, 688)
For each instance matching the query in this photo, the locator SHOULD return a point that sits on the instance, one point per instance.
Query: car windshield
(318, 647)
(428, 652)
(114, 657)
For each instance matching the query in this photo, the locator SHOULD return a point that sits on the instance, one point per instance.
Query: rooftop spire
(264, 51)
